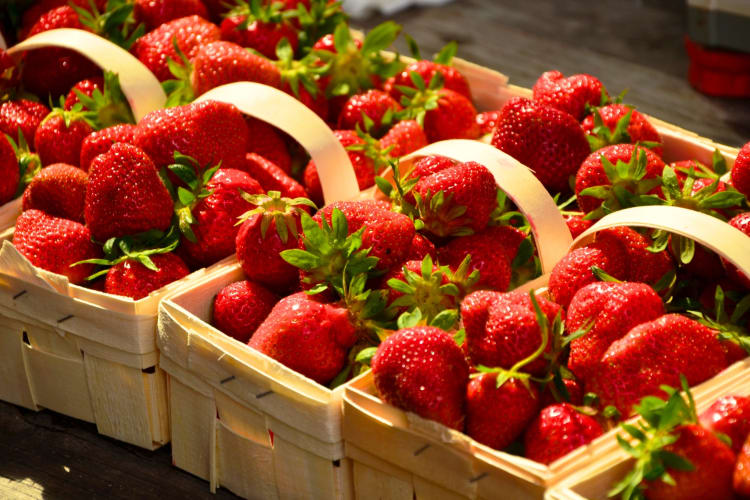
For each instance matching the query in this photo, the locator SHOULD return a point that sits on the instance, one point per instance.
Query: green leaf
(185, 196)
(380, 37)
(723, 199)
(365, 355)
(460, 337)
(446, 54)
(445, 319)
(409, 319)
(719, 163)
(670, 183)
(300, 258)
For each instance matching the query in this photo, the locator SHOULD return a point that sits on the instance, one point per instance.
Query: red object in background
(718, 72)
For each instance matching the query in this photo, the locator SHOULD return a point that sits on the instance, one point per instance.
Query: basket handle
(140, 86)
(725, 240)
(288, 114)
(519, 183)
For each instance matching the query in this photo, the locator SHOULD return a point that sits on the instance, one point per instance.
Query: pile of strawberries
(413, 283)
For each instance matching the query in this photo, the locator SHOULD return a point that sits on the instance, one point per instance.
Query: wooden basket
(397, 454)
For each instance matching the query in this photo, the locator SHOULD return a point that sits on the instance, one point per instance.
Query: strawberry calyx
(602, 136)
(75, 113)
(296, 72)
(179, 90)
(109, 105)
(628, 186)
(708, 199)
(320, 19)
(717, 169)
(731, 327)
(399, 191)
(116, 23)
(604, 100)
(29, 163)
(648, 438)
(370, 146)
(255, 10)
(421, 98)
(284, 212)
(440, 216)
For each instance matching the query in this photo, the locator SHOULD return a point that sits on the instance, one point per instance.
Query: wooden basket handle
(288, 114)
(140, 86)
(725, 240)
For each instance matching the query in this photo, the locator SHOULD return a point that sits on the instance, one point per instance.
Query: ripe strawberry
(271, 177)
(22, 116)
(154, 13)
(430, 164)
(32, 15)
(569, 94)
(58, 190)
(86, 87)
(9, 171)
(375, 104)
(643, 168)
(132, 279)
(125, 194)
(216, 217)
(423, 370)
(59, 137)
(155, 48)
(642, 265)
(652, 354)
(558, 430)
(741, 222)
(405, 136)
(453, 118)
(240, 307)
(729, 415)
(265, 140)
(492, 251)
(548, 141)
(635, 129)
(420, 248)
(258, 27)
(741, 171)
(468, 185)
(308, 336)
(208, 131)
(487, 417)
(741, 479)
(614, 308)
(577, 224)
(475, 311)
(452, 78)
(54, 244)
(99, 142)
(488, 121)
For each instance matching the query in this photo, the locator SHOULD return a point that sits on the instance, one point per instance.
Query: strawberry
(10, 73)
(240, 307)
(154, 13)
(208, 131)
(420, 248)
(422, 370)
(58, 190)
(443, 113)
(492, 251)
(573, 388)
(32, 15)
(125, 194)
(133, 279)
(577, 224)
(271, 177)
(652, 354)
(613, 309)
(215, 64)
(642, 265)
(741, 478)
(548, 141)
(741, 171)
(99, 142)
(86, 87)
(558, 430)
(267, 141)
(634, 170)
(308, 336)
(405, 137)
(488, 121)
(457, 200)
(377, 105)
(22, 116)
(431, 164)
(475, 311)
(9, 172)
(452, 79)
(623, 124)
(155, 48)
(675, 458)
(259, 27)
(570, 94)
(54, 244)
(265, 232)
(729, 415)
(59, 137)
(741, 222)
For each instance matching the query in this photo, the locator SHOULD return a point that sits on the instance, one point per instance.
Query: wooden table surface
(628, 44)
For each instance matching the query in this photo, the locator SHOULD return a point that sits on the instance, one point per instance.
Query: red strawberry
(374, 104)
(405, 136)
(10, 73)
(420, 248)
(240, 307)
(741, 222)
(36, 11)
(308, 336)
(741, 171)
(125, 194)
(577, 224)
(642, 265)
(317, 102)
(453, 79)
(638, 130)
(216, 217)
(86, 87)
(423, 370)
(59, 137)
(548, 141)
(155, 48)
(132, 279)
(154, 13)
(54, 244)
(58, 190)
(265, 140)
(22, 115)
(100, 141)
(569, 94)
(558, 430)
(9, 171)
(431, 164)
(487, 121)
(208, 131)
(262, 31)
(487, 417)
(271, 177)
(453, 118)
(729, 415)
(475, 311)
(492, 251)
(653, 354)
(741, 479)
(614, 308)
(468, 185)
